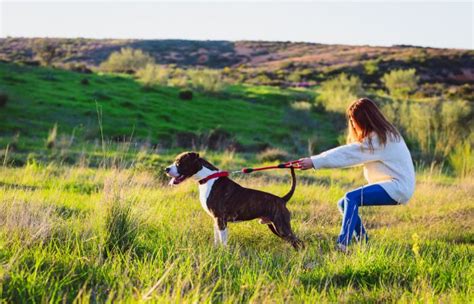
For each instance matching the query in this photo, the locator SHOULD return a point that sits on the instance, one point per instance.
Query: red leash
(292, 164)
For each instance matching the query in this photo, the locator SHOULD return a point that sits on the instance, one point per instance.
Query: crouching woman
(377, 145)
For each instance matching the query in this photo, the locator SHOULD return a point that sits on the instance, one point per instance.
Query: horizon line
(239, 40)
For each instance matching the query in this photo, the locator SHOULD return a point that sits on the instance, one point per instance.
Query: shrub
(152, 75)
(3, 99)
(337, 93)
(301, 105)
(178, 78)
(371, 67)
(205, 80)
(77, 67)
(294, 77)
(435, 128)
(179, 82)
(186, 94)
(218, 139)
(465, 91)
(461, 159)
(126, 60)
(272, 154)
(400, 83)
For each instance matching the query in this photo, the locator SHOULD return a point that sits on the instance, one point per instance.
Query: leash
(291, 164)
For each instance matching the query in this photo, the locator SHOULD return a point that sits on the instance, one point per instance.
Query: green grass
(42, 97)
(95, 221)
(56, 226)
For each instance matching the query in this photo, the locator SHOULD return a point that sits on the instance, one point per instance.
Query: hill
(311, 61)
(244, 118)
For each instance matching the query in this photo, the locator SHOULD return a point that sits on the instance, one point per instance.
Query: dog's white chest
(204, 192)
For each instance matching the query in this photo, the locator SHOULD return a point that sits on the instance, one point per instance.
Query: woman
(377, 145)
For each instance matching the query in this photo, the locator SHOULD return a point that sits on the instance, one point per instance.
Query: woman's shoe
(341, 247)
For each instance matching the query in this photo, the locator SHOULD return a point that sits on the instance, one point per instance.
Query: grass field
(90, 218)
(251, 115)
(76, 233)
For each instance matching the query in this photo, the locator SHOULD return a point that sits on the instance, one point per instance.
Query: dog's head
(186, 165)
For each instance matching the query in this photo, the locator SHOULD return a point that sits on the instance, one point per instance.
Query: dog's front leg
(222, 230)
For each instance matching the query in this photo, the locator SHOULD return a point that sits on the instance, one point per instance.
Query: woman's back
(393, 168)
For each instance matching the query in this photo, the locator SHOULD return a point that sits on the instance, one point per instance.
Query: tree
(44, 51)
(400, 83)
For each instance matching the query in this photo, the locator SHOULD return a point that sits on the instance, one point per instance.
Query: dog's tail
(287, 197)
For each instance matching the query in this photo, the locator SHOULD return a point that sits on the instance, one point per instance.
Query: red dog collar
(213, 175)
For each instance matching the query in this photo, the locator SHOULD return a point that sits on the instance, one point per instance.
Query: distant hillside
(315, 62)
(245, 118)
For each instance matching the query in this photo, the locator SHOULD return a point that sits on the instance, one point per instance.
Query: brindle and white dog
(227, 201)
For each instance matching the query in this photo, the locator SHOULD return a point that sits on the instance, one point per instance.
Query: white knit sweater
(390, 166)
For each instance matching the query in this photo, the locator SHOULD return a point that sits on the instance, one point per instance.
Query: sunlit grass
(55, 223)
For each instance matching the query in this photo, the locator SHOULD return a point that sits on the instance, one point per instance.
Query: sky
(423, 23)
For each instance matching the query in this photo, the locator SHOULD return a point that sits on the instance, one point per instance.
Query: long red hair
(365, 113)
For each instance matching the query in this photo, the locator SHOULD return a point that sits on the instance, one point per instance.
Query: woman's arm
(344, 156)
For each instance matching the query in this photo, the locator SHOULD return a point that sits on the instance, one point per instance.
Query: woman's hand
(306, 163)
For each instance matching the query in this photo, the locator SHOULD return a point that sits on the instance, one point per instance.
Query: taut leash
(296, 164)
(291, 164)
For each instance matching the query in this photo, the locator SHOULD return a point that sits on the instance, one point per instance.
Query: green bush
(178, 78)
(126, 60)
(461, 159)
(400, 83)
(434, 128)
(152, 75)
(185, 94)
(371, 67)
(337, 93)
(205, 80)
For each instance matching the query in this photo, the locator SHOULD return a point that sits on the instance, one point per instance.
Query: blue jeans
(372, 195)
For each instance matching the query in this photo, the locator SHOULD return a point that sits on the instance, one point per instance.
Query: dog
(226, 201)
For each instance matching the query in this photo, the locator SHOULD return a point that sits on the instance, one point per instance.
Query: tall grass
(52, 135)
(161, 248)
(120, 228)
(462, 159)
(433, 130)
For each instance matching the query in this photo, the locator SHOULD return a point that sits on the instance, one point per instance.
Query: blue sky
(426, 23)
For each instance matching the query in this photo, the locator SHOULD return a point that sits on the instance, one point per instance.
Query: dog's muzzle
(176, 178)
